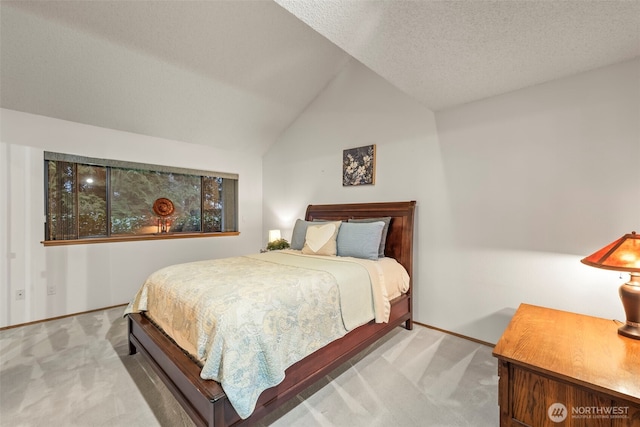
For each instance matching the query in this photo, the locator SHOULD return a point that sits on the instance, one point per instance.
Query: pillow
(360, 240)
(299, 234)
(321, 239)
(385, 231)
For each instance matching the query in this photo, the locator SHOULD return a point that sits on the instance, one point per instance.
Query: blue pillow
(385, 231)
(299, 234)
(359, 239)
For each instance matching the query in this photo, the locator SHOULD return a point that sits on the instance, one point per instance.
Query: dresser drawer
(539, 401)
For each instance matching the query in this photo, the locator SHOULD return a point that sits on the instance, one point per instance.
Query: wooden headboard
(400, 236)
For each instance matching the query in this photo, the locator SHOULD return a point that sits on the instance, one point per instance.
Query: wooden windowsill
(159, 236)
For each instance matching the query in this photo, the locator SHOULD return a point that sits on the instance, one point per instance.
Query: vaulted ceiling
(236, 74)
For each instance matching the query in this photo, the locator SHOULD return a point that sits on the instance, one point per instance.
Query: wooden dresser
(565, 369)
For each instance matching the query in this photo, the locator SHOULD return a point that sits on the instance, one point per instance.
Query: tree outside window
(95, 201)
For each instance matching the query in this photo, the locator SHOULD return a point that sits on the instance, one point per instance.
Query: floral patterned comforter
(247, 319)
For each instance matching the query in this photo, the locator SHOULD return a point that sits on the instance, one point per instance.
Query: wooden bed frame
(206, 402)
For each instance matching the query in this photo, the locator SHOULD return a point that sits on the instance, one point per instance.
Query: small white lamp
(274, 235)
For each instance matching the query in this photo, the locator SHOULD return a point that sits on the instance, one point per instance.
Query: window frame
(109, 164)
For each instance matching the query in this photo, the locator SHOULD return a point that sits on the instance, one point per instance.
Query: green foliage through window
(86, 199)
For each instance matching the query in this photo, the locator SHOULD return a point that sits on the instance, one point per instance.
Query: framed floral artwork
(359, 166)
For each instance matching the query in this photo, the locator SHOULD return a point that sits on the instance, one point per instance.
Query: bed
(205, 401)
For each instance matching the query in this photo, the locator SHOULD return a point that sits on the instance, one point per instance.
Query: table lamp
(274, 235)
(623, 255)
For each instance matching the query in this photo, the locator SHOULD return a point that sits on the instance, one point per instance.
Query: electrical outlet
(51, 290)
(19, 294)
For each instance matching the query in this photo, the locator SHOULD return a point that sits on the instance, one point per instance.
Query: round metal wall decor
(163, 207)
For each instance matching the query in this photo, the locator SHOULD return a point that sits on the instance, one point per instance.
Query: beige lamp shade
(274, 235)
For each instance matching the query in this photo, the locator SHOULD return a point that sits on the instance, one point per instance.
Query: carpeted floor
(76, 372)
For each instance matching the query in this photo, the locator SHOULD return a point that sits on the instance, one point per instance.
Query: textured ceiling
(447, 53)
(236, 74)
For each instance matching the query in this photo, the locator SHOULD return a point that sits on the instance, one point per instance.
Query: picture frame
(359, 166)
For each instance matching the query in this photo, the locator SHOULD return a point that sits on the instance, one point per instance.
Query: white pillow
(321, 239)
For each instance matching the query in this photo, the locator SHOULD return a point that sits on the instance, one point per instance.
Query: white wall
(97, 275)
(538, 179)
(512, 191)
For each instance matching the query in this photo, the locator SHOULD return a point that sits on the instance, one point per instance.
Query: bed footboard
(205, 401)
(202, 400)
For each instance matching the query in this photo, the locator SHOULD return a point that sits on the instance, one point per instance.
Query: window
(95, 199)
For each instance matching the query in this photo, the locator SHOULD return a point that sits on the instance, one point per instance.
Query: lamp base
(630, 296)
(630, 331)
